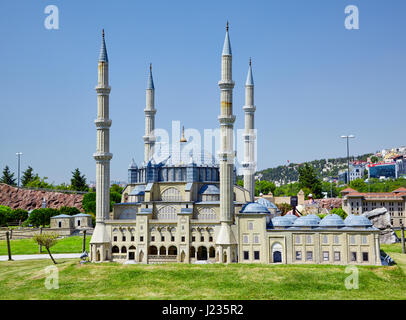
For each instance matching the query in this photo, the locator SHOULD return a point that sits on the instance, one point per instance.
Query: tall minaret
(100, 242)
(226, 240)
(249, 164)
(150, 111)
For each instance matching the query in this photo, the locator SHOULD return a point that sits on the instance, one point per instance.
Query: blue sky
(314, 79)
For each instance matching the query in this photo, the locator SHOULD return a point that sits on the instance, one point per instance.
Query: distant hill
(324, 167)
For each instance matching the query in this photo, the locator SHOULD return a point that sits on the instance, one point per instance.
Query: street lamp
(348, 155)
(18, 156)
(259, 177)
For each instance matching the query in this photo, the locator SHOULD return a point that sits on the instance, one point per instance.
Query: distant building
(355, 202)
(356, 172)
(387, 170)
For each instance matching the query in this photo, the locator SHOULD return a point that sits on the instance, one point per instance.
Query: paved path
(40, 256)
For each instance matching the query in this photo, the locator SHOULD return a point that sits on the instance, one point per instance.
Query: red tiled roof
(349, 190)
(401, 189)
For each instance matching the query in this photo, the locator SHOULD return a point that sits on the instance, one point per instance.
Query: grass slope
(25, 280)
(28, 246)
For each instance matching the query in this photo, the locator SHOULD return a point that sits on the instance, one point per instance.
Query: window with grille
(171, 194)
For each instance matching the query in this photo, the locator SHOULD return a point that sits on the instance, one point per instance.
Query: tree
(70, 211)
(28, 176)
(78, 181)
(38, 182)
(308, 179)
(374, 159)
(18, 216)
(359, 185)
(8, 177)
(116, 188)
(284, 207)
(42, 217)
(47, 240)
(89, 202)
(5, 213)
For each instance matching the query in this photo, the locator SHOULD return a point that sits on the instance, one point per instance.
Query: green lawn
(28, 246)
(25, 280)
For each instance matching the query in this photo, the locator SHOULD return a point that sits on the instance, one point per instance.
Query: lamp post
(348, 156)
(18, 156)
(259, 177)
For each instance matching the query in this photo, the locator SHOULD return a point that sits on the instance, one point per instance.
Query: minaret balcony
(102, 90)
(249, 109)
(149, 139)
(102, 156)
(149, 112)
(226, 120)
(103, 123)
(226, 84)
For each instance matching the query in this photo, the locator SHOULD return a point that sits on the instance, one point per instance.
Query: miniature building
(191, 210)
(355, 202)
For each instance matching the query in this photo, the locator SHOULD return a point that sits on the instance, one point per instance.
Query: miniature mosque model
(192, 211)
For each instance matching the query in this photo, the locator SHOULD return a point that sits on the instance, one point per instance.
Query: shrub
(70, 211)
(18, 215)
(5, 214)
(340, 212)
(42, 217)
(89, 202)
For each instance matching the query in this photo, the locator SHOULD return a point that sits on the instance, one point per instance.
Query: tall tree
(28, 176)
(8, 177)
(78, 181)
(308, 179)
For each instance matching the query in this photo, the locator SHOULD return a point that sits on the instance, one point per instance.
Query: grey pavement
(41, 256)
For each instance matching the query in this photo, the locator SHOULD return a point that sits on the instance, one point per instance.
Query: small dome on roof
(332, 220)
(132, 165)
(282, 221)
(291, 217)
(138, 190)
(310, 220)
(209, 189)
(268, 204)
(254, 207)
(357, 221)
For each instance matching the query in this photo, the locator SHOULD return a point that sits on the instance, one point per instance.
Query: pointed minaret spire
(103, 51)
(227, 45)
(150, 84)
(150, 111)
(249, 136)
(250, 80)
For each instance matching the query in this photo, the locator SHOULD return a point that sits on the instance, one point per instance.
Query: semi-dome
(254, 207)
(282, 221)
(209, 189)
(357, 221)
(268, 204)
(332, 220)
(138, 190)
(310, 220)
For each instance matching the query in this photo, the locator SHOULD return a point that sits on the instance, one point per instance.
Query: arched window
(162, 251)
(212, 252)
(207, 214)
(123, 249)
(172, 251)
(115, 249)
(131, 248)
(167, 213)
(171, 194)
(192, 252)
(153, 250)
